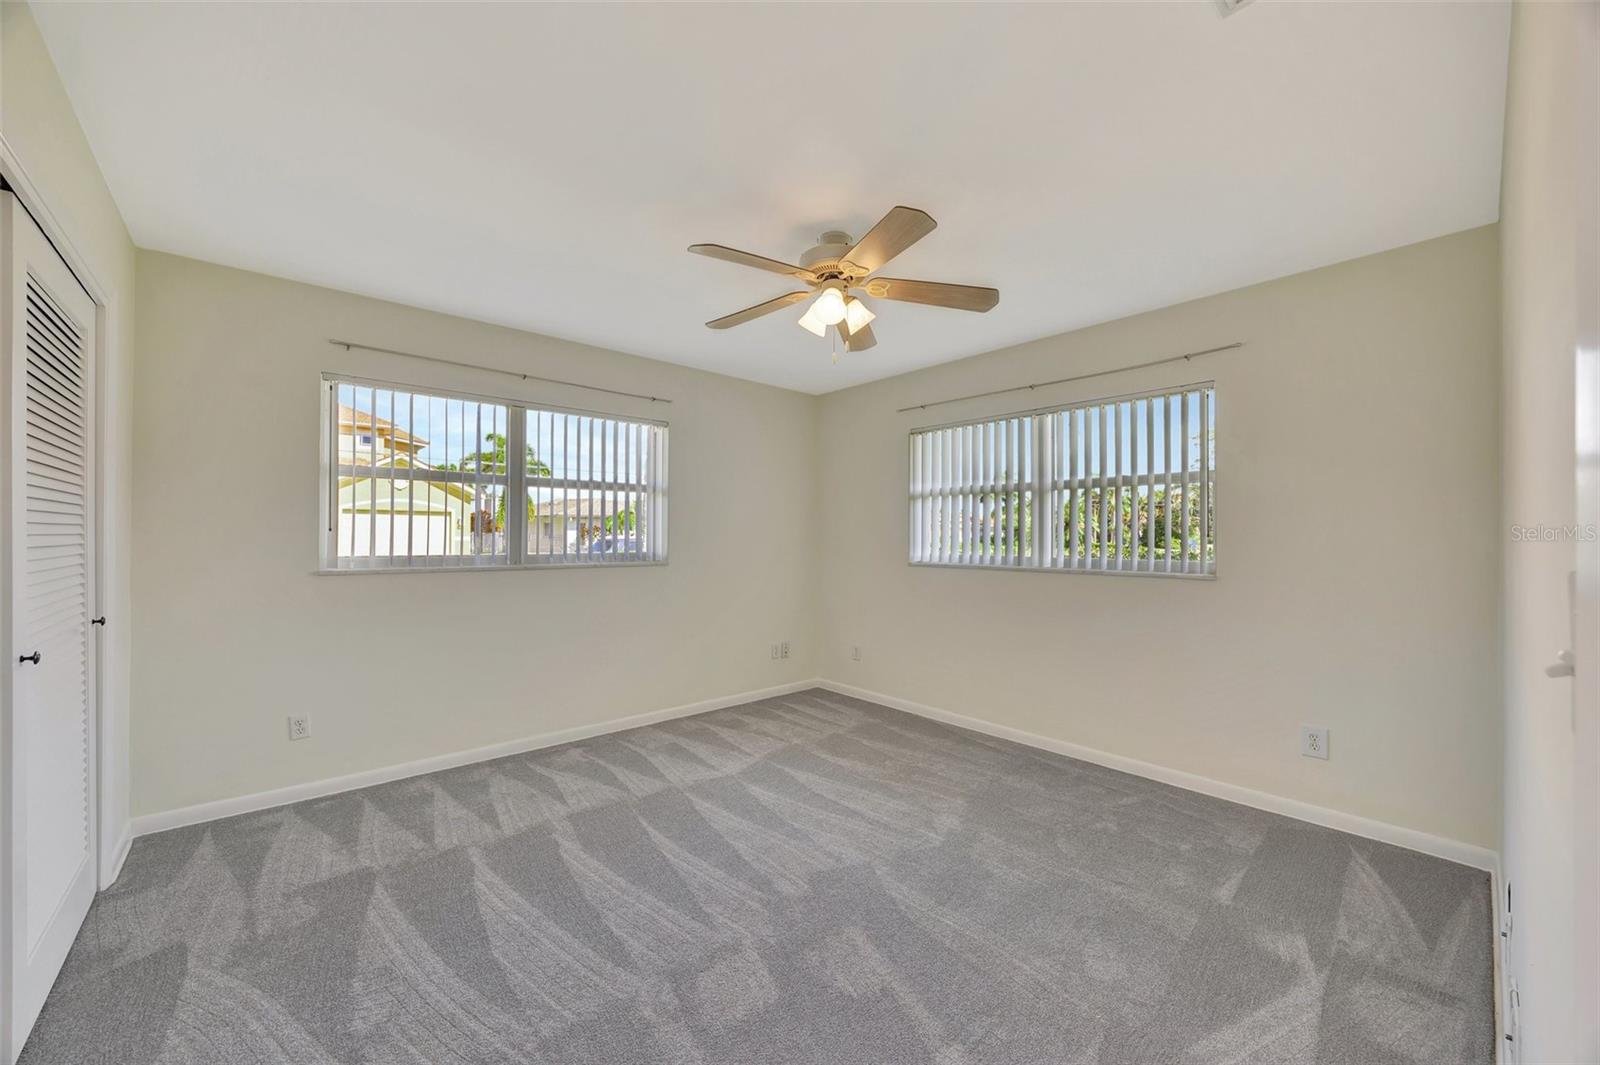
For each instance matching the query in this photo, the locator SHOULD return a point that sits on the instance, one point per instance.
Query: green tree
(495, 460)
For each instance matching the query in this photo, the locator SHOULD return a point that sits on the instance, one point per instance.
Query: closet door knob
(34, 658)
(101, 620)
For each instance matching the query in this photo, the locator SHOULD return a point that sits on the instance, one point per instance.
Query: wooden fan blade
(860, 340)
(740, 317)
(933, 293)
(760, 262)
(894, 233)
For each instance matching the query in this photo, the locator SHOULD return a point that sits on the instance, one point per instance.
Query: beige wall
(1379, 373)
(236, 631)
(1358, 552)
(39, 127)
(1549, 84)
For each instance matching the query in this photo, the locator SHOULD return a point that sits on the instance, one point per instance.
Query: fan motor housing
(824, 259)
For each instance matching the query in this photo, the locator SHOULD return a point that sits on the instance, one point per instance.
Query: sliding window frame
(653, 437)
(1056, 470)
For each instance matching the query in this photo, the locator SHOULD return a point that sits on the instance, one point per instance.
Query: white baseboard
(316, 789)
(119, 854)
(1410, 838)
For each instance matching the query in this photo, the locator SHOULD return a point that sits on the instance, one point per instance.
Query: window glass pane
(579, 525)
(418, 479)
(1122, 485)
(589, 488)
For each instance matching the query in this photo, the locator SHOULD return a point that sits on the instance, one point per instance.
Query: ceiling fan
(836, 266)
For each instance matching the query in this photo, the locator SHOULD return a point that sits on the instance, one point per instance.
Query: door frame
(113, 827)
(1586, 579)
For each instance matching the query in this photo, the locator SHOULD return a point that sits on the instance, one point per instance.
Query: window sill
(1209, 575)
(363, 571)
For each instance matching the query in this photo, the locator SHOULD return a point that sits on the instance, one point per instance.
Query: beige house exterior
(388, 512)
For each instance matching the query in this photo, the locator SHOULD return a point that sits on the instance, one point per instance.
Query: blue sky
(569, 443)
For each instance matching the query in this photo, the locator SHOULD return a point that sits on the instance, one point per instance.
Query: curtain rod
(1080, 377)
(349, 345)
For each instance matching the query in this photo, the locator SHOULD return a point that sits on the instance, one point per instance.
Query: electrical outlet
(775, 652)
(1314, 741)
(855, 653)
(299, 726)
(786, 648)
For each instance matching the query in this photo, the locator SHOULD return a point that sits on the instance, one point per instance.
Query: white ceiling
(545, 166)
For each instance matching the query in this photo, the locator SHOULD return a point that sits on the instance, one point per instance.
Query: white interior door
(47, 736)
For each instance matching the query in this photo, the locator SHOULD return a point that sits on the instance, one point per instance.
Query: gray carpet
(810, 879)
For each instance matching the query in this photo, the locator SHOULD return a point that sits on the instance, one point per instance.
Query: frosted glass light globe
(829, 307)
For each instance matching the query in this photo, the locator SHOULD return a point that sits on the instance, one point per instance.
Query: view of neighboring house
(383, 513)
(386, 512)
(580, 522)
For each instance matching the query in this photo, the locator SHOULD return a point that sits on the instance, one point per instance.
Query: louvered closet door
(49, 749)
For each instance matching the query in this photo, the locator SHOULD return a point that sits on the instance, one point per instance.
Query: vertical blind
(1121, 485)
(434, 479)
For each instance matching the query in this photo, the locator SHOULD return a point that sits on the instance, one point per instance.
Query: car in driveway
(615, 545)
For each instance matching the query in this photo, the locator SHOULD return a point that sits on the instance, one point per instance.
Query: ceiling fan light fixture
(811, 323)
(829, 307)
(856, 315)
(836, 265)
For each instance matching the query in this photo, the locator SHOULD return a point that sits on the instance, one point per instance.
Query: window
(1121, 485)
(433, 480)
